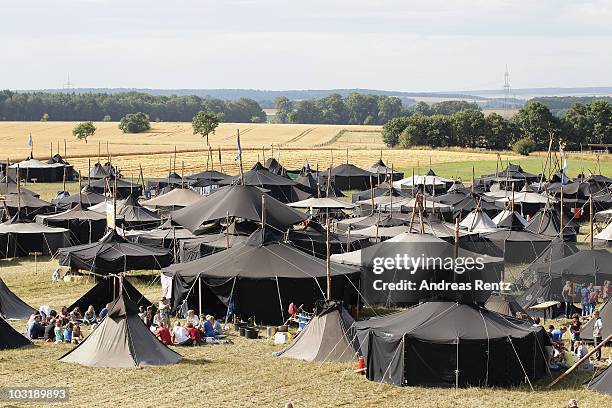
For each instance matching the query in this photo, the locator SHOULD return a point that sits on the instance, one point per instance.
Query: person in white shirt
(597, 333)
(180, 336)
(193, 318)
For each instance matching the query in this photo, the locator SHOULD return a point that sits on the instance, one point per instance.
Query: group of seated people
(562, 357)
(196, 330)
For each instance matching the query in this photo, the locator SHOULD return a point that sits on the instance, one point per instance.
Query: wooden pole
(561, 215)
(327, 257)
(65, 150)
(241, 169)
(391, 193)
(18, 189)
(577, 363)
(64, 180)
(591, 219)
(227, 221)
(263, 212)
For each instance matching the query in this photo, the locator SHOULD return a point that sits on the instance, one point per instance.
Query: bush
(135, 123)
(524, 146)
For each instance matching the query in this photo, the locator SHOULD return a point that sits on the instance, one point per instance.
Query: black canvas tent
(514, 246)
(206, 244)
(106, 291)
(313, 240)
(446, 344)
(87, 198)
(350, 177)
(237, 201)
(173, 200)
(122, 340)
(547, 222)
(29, 205)
(506, 305)
(35, 170)
(135, 216)
(383, 172)
(113, 254)
(381, 190)
(602, 382)
(21, 236)
(275, 167)
(85, 226)
(11, 338)
(124, 188)
(256, 279)
(280, 187)
(329, 336)
(11, 306)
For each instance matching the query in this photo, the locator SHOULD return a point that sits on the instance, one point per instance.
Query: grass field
(243, 374)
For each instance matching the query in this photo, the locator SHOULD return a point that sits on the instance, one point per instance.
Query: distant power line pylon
(68, 84)
(507, 89)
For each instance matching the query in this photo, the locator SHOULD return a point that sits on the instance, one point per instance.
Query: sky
(403, 45)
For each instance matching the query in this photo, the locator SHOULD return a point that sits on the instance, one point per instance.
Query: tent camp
(124, 188)
(329, 336)
(106, 291)
(87, 198)
(21, 236)
(11, 306)
(383, 172)
(35, 170)
(11, 338)
(446, 344)
(547, 222)
(478, 221)
(113, 254)
(256, 279)
(121, 341)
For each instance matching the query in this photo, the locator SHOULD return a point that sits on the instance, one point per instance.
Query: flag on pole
(30, 142)
(307, 167)
(238, 148)
(564, 178)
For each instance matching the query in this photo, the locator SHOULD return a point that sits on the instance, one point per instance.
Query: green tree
(393, 129)
(524, 146)
(501, 133)
(421, 108)
(600, 118)
(284, 107)
(536, 122)
(333, 109)
(451, 107)
(440, 131)
(416, 131)
(469, 128)
(83, 130)
(578, 127)
(135, 123)
(389, 107)
(204, 123)
(360, 107)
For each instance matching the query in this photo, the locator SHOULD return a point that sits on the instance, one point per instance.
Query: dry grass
(240, 375)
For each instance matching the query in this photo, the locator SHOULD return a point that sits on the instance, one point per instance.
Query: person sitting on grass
(57, 332)
(180, 337)
(192, 318)
(35, 327)
(77, 334)
(90, 315)
(208, 330)
(49, 335)
(148, 317)
(103, 312)
(68, 332)
(557, 334)
(163, 334)
(76, 315)
(63, 315)
(158, 321)
(194, 334)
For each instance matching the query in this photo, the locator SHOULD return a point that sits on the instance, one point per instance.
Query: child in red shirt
(164, 334)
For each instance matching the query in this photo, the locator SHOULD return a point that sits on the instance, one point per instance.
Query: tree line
(358, 109)
(106, 107)
(530, 129)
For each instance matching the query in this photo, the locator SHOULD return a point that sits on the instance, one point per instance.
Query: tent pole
(561, 214)
(240, 156)
(227, 229)
(372, 195)
(18, 190)
(327, 258)
(263, 212)
(591, 219)
(81, 194)
(391, 192)
(64, 180)
(199, 294)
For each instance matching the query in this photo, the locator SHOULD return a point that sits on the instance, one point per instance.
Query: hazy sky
(409, 45)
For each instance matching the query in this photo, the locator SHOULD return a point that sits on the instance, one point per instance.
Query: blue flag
(307, 167)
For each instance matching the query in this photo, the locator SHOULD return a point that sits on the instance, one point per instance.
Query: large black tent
(124, 188)
(173, 200)
(106, 291)
(329, 336)
(547, 222)
(506, 305)
(20, 236)
(135, 216)
(313, 240)
(256, 279)
(447, 344)
(350, 177)
(275, 167)
(122, 340)
(383, 172)
(11, 338)
(382, 189)
(113, 254)
(9, 186)
(29, 205)
(237, 201)
(85, 226)
(35, 170)
(514, 246)
(280, 187)
(11, 306)
(206, 244)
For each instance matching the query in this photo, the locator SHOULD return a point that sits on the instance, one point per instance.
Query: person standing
(597, 333)
(568, 298)
(584, 294)
(575, 327)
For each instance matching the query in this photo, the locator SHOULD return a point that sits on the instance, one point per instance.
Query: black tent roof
(547, 222)
(212, 175)
(308, 183)
(510, 219)
(591, 264)
(348, 170)
(470, 202)
(275, 167)
(602, 382)
(237, 201)
(124, 188)
(9, 186)
(381, 170)
(448, 344)
(88, 197)
(262, 177)
(106, 291)
(11, 338)
(113, 254)
(505, 304)
(122, 340)
(136, 216)
(381, 190)
(11, 306)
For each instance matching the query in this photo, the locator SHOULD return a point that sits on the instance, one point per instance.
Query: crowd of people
(567, 346)
(589, 295)
(62, 327)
